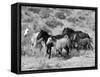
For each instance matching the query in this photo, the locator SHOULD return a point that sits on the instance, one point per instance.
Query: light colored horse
(34, 39)
(60, 44)
(36, 44)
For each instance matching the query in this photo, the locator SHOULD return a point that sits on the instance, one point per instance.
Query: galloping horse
(33, 39)
(40, 36)
(79, 40)
(43, 35)
(59, 42)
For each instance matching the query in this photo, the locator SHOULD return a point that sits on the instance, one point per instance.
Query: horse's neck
(69, 34)
(45, 40)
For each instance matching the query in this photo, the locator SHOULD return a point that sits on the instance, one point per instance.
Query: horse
(68, 31)
(84, 44)
(33, 39)
(43, 35)
(36, 43)
(59, 42)
(76, 38)
(79, 34)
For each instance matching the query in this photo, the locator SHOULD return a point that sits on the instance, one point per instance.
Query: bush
(45, 13)
(60, 15)
(81, 17)
(27, 13)
(54, 23)
(68, 12)
(27, 20)
(71, 19)
(34, 10)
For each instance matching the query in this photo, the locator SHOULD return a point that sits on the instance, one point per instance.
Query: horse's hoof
(49, 57)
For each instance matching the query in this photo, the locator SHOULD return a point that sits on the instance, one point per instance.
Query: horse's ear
(64, 31)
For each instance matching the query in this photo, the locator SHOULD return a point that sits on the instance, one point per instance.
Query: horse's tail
(90, 44)
(91, 40)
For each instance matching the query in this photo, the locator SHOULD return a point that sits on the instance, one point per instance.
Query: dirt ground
(86, 59)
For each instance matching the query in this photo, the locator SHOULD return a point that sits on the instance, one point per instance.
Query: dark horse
(43, 36)
(79, 34)
(79, 40)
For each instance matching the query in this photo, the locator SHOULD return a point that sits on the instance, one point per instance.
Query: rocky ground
(54, 20)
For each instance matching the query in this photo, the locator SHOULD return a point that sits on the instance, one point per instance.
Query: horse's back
(58, 36)
(81, 34)
(62, 42)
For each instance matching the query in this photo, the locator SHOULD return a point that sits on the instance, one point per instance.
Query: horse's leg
(78, 50)
(49, 53)
(90, 46)
(47, 50)
(59, 51)
(67, 49)
(40, 46)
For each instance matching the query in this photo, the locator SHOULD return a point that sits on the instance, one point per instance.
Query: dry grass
(39, 63)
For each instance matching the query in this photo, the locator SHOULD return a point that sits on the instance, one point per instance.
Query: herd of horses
(69, 39)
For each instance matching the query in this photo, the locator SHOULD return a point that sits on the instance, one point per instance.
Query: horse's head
(67, 31)
(42, 34)
(49, 40)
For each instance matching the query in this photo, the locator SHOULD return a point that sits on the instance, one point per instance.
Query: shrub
(60, 15)
(27, 13)
(27, 20)
(54, 23)
(45, 13)
(71, 19)
(81, 17)
(34, 10)
(68, 12)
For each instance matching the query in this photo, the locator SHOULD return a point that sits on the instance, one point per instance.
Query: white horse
(34, 39)
(59, 44)
(36, 43)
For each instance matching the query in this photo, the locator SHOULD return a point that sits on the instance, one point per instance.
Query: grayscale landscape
(54, 20)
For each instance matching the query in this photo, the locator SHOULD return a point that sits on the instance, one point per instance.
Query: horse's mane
(44, 32)
(67, 30)
(70, 30)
